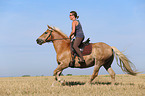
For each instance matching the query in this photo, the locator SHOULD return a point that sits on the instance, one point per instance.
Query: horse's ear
(49, 27)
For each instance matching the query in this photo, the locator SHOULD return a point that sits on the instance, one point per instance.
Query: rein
(53, 39)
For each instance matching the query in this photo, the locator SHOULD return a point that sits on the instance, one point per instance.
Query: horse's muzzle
(39, 41)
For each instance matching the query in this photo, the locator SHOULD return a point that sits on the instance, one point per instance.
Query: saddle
(85, 48)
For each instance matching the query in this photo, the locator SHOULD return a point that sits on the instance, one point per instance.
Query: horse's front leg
(57, 73)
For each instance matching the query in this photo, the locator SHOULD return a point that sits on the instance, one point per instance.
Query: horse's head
(46, 36)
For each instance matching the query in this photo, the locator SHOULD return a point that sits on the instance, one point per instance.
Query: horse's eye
(45, 32)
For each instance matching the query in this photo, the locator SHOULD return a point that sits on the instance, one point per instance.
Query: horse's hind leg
(108, 68)
(97, 66)
(112, 74)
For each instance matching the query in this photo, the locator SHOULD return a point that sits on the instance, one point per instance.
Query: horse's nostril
(39, 41)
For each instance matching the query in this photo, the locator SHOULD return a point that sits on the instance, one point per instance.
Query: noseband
(51, 37)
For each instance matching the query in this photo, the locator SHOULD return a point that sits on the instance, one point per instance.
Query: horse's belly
(89, 63)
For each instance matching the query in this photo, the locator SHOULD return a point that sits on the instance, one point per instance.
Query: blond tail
(125, 64)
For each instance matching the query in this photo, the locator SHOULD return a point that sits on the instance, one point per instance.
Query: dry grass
(126, 85)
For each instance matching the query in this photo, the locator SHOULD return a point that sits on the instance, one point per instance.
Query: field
(125, 85)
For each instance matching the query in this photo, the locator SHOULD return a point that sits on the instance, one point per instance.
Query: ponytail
(77, 17)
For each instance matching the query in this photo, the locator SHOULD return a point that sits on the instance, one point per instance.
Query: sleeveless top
(78, 30)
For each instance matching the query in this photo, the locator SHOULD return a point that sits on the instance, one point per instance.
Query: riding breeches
(76, 44)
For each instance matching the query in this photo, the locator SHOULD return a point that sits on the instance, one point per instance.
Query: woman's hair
(75, 14)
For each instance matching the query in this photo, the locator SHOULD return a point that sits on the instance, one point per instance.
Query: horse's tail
(125, 64)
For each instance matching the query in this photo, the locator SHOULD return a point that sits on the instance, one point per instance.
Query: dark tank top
(78, 31)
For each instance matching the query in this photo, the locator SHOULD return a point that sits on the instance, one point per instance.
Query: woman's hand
(71, 36)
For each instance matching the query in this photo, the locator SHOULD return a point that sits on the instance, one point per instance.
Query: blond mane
(60, 32)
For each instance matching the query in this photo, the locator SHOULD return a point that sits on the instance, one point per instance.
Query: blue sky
(119, 23)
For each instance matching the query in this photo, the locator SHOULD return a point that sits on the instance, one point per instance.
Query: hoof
(63, 83)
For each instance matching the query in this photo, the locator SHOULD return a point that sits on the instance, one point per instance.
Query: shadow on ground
(74, 83)
(105, 83)
(101, 83)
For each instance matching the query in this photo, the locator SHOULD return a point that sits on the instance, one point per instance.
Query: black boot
(72, 64)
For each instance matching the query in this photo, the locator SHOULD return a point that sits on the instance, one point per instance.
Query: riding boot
(72, 63)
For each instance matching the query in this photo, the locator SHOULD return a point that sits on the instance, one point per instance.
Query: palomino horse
(102, 55)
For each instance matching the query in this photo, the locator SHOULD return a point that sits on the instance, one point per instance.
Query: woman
(77, 32)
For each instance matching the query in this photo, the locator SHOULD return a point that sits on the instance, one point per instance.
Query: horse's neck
(60, 45)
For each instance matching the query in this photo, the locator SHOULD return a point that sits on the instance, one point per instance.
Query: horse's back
(101, 45)
(101, 50)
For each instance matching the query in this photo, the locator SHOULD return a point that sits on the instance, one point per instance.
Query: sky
(119, 23)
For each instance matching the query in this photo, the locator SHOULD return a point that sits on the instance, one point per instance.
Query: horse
(101, 55)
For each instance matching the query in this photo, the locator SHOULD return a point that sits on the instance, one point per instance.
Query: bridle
(51, 30)
(49, 36)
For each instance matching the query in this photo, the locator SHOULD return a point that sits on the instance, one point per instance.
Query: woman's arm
(73, 29)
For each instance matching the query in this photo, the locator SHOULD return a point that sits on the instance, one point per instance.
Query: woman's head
(73, 15)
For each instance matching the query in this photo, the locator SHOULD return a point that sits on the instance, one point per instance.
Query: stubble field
(125, 85)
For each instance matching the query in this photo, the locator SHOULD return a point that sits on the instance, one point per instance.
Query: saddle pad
(87, 50)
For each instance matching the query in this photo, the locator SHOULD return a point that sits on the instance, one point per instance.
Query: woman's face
(71, 16)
